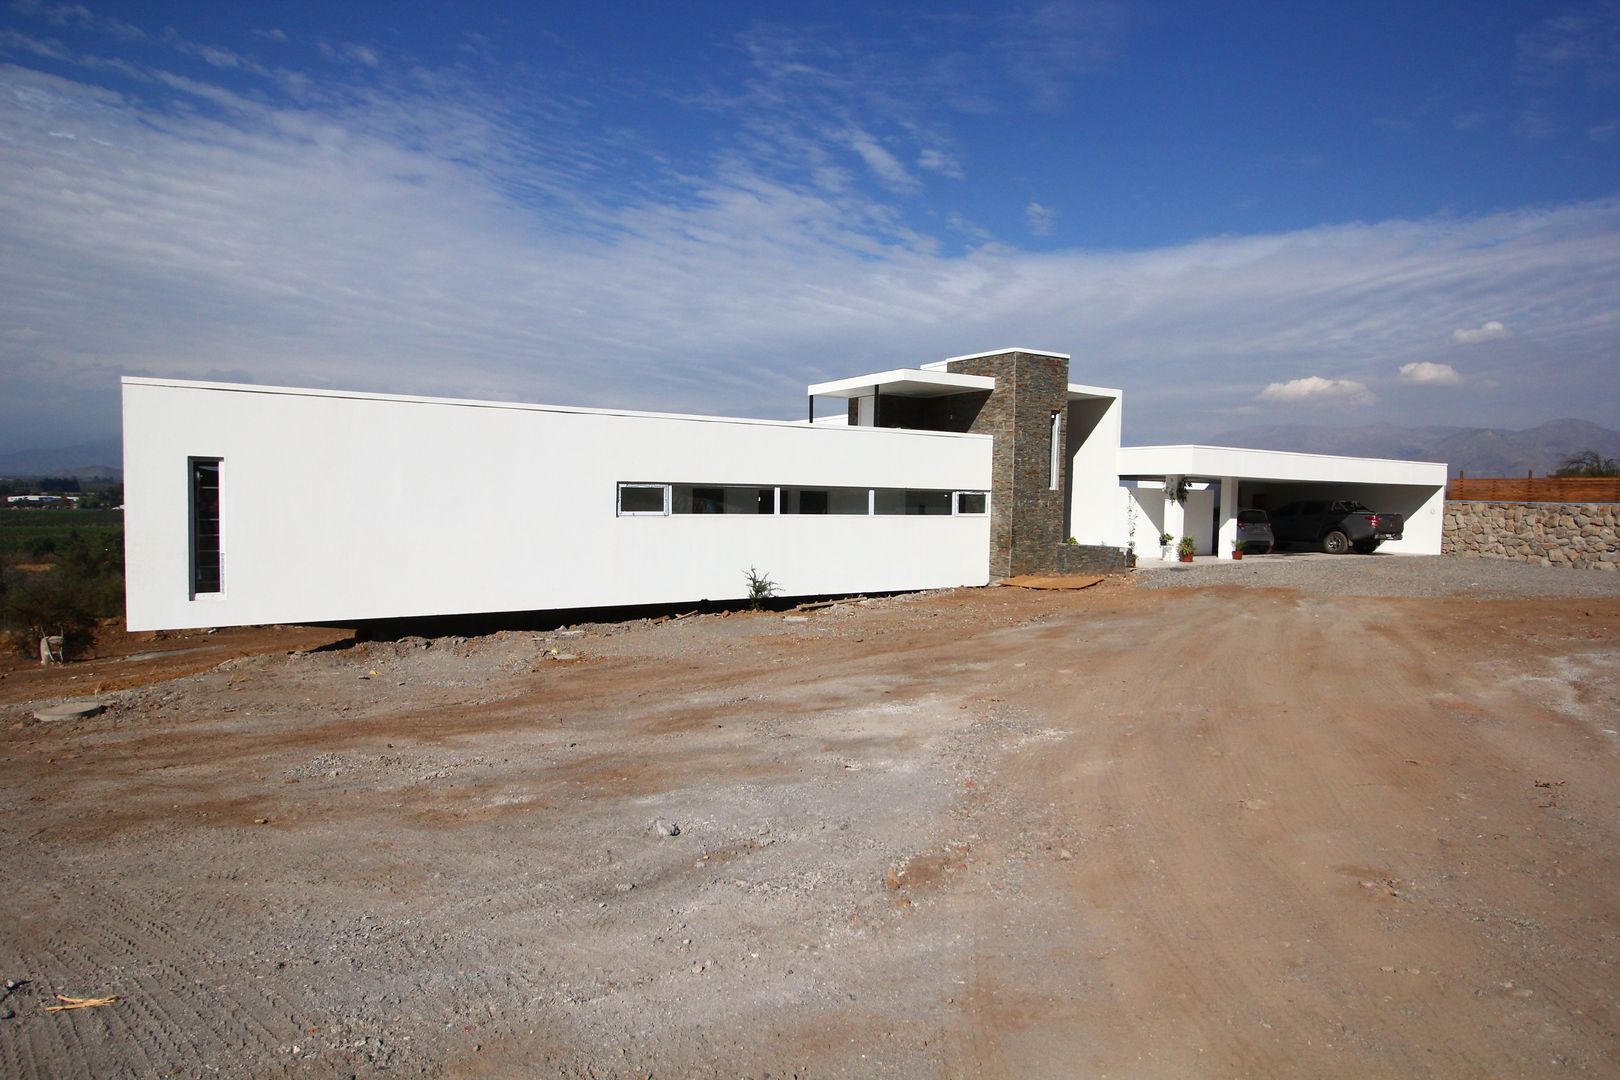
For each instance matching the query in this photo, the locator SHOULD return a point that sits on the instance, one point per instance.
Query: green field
(22, 532)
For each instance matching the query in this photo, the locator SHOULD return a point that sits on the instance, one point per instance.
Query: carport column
(1227, 535)
(1175, 516)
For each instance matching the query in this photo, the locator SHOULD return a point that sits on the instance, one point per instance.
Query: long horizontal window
(855, 502)
(662, 500)
(697, 499)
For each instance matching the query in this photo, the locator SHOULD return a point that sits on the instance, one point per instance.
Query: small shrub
(760, 588)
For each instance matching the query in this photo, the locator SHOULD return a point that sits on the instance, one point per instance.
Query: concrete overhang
(1081, 392)
(1218, 461)
(903, 382)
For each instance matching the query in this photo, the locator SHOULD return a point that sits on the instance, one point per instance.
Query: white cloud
(449, 238)
(1042, 220)
(1314, 387)
(1427, 371)
(879, 160)
(977, 233)
(1491, 331)
(933, 159)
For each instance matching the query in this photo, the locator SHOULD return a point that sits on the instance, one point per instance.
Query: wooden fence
(1565, 489)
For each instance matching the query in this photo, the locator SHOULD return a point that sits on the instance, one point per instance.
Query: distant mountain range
(1474, 451)
(99, 460)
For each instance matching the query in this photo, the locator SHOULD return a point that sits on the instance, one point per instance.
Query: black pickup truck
(1335, 527)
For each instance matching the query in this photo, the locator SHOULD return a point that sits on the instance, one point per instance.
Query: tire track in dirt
(181, 1002)
(1219, 835)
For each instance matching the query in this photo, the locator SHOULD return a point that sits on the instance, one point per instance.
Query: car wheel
(1366, 547)
(1335, 543)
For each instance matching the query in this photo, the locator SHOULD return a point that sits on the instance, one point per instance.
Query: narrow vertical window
(207, 571)
(1057, 450)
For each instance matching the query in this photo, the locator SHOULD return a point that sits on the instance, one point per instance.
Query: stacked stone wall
(1088, 559)
(1585, 535)
(1026, 512)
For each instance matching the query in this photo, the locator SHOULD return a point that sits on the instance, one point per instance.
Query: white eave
(903, 382)
(1244, 464)
(468, 403)
(1082, 392)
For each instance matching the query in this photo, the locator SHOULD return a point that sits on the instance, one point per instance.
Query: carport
(1222, 480)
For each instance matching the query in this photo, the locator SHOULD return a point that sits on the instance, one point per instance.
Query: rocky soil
(1319, 820)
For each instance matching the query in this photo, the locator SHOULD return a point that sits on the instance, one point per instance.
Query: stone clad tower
(1026, 413)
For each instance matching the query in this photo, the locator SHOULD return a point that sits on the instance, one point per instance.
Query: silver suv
(1254, 529)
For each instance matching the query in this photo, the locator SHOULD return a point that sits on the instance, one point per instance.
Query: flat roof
(903, 382)
(1214, 462)
(469, 403)
(939, 365)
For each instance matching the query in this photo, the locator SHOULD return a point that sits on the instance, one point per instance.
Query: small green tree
(1587, 463)
(760, 588)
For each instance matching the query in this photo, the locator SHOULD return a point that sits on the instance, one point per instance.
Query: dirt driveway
(1125, 832)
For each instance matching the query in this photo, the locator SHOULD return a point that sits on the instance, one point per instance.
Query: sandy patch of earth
(1114, 832)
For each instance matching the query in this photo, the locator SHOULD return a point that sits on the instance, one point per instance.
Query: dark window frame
(618, 505)
(205, 527)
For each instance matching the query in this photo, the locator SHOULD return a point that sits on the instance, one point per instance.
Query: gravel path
(1386, 575)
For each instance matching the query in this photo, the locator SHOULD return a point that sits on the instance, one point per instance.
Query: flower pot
(1186, 558)
(1237, 555)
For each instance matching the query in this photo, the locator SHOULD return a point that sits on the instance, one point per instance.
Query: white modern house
(252, 504)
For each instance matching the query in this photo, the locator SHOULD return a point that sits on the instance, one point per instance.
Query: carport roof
(1244, 464)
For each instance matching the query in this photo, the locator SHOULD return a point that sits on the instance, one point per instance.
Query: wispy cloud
(1580, 43)
(935, 159)
(1489, 331)
(1430, 372)
(1316, 388)
(1042, 220)
(1049, 46)
(879, 160)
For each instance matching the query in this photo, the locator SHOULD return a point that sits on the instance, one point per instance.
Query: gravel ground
(1386, 575)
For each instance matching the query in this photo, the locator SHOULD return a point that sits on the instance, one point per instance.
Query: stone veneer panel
(1088, 559)
(1551, 534)
(1026, 514)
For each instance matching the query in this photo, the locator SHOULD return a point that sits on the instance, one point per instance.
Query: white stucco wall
(339, 507)
(1096, 512)
(1148, 500)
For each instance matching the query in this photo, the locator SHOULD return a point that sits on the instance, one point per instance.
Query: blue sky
(1239, 214)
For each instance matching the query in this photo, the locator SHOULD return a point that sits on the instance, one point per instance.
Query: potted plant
(1165, 540)
(1186, 548)
(1237, 548)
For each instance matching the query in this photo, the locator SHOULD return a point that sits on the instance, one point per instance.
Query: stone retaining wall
(1088, 559)
(1584, 535)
